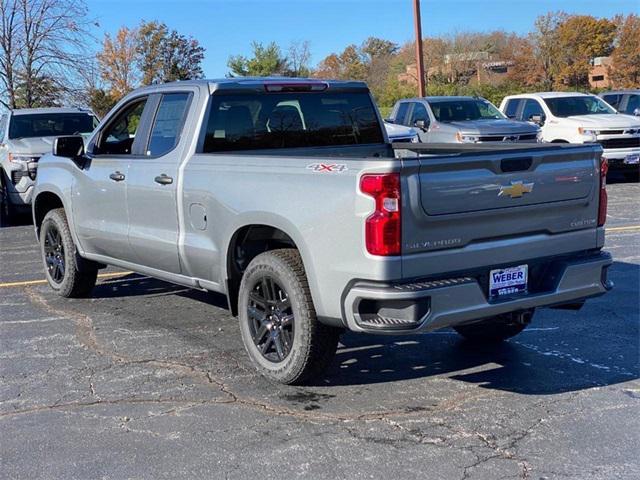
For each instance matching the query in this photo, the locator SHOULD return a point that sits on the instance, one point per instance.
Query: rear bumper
(430, 305)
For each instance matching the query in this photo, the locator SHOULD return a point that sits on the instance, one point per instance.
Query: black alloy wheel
(54, 254)
(271, 319)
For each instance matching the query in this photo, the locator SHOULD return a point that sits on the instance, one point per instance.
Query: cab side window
(613, 100)
(531, 108)
(512, 108)
(118, 136)
(419, 113)
(167, 125)
(633, 103)
(401, 114)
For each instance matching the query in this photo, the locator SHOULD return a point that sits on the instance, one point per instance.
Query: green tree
(167, 56)
(100, 101)
(42, 91)
(264, 62)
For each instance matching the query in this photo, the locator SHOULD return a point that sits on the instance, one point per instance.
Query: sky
(227, 27)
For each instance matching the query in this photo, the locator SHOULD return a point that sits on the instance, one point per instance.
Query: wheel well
(559, 141)
(44, 203)
(247, 243)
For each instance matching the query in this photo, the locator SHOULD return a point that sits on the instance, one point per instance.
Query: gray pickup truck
(460, 120)
(25, 135)
(286, 196)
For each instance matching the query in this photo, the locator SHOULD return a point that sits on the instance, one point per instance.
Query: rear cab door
(153, 181)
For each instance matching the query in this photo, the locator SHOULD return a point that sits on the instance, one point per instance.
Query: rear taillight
(383, 226)
(602, 208)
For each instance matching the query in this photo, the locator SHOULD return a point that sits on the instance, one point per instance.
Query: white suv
(569, 117)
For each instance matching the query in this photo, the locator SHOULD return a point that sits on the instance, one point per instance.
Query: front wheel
(496, 329)
(59, 258)
(280, 331)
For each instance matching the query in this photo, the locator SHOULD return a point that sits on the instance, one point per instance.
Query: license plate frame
(632, 159)
(508, 281)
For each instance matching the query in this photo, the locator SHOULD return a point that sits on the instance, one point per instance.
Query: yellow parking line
(26, 283)
(631, 228)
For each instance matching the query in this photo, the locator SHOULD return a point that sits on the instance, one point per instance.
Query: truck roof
(36, 111)
(251, 83)
(442, 98)
(550, 95)
(621, 92)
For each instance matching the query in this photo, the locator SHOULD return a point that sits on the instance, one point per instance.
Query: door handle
(164, 179)
(117, 176)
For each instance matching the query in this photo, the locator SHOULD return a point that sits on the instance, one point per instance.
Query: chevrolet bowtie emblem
(516, 189)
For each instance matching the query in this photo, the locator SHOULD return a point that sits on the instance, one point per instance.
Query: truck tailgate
(516, 201)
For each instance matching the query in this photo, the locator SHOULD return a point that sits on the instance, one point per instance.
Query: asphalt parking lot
(150, 380)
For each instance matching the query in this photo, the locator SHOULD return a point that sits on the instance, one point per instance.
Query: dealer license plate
(508, 281)
(632, 159)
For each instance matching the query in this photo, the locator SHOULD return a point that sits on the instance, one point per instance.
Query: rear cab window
(238, 122)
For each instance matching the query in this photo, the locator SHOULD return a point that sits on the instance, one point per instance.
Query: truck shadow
(561, 351)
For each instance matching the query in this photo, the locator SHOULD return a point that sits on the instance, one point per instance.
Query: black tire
(7, 210)
(59, 258)
(494, 329)
(277, 279)
(632, 176)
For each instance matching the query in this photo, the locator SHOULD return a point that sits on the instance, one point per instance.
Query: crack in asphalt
(85, 333)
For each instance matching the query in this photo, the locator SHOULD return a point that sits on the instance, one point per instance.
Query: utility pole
(419, 57)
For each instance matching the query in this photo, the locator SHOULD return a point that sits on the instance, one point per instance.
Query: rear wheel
(7, 211)
(280, 331)
(496, 329)
(59, 258)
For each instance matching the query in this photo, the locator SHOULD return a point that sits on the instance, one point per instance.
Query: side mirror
(636, 112)
(71, 146)
(422, 125)
(389, 120)
(537, 119)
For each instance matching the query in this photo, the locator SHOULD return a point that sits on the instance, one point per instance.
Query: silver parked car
(460, 120)
(26, 135)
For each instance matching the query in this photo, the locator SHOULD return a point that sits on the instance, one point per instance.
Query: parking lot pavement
(150, 380)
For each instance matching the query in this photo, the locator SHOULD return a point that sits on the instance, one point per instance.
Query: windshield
(462, 110)
(574, 106)
(51, 124)
(291, 120)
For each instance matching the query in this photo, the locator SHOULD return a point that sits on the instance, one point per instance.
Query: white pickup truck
(570, 117)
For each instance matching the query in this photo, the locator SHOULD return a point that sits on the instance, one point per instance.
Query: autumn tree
(625, 71)
(117, 62)
(547, 46)
(580, 39)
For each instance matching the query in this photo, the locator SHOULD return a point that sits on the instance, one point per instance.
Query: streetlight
(419, 58)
